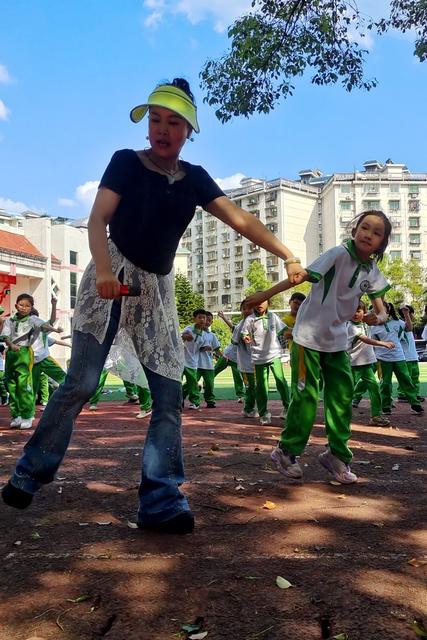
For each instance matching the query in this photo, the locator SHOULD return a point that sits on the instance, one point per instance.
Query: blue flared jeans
(162, 471)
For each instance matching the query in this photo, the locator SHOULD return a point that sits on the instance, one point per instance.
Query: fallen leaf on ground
(395, 467)
(419, 628)
(239, 488)
(79, 599)
(378, 524)
(415, 562)
(17, 543)
(193, 628)
(83, 524)
(215, 447)
(269, 505)
(211, 453)
(335, 483)
(342, 496)
(198, 636)
(340, 636)
(282, 583)
(35, 536)
(361, 462)
(104, 524)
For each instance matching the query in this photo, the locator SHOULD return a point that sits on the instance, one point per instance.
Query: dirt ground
(73, 569)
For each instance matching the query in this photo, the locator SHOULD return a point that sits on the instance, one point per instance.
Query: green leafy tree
(258, 281)
(280, 40)
(408, 282)
(186, 300)
(222, 332)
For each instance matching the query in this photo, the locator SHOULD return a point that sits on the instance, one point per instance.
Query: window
(238, 282)
(395, 237)
(394, 205)
(414, 205)
(237, 236)
(73, 290)
(226, 236)
(370, 188)
(369, 205)
(226, 253)
(199, 214)
(394, 188)
(226, 299)
(414, 223)
(395, 254)
(345, 206)
(238, 266)
(414, 238)
(415, 255)
(272, 226)
(238, 251)
(271, 197)
(73, 258)
(345, 188)
(413, 188)
(212, 255)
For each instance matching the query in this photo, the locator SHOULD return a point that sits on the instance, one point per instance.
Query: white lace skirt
(149, 320)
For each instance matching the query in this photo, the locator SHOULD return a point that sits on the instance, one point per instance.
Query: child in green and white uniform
(205, 368)
(245, 365)
(3, 390)
(362, 357)
(339, 276)
(229, 359)
(393, 361)
(20, 332)
(406, 313)
(44, 363)
(262, 330)
(193, 337)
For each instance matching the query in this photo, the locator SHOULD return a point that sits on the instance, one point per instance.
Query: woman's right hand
(107, 285)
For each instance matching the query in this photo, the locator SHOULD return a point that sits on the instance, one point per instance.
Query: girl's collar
(351, 248)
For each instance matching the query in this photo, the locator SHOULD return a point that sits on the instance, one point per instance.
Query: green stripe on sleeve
(379, 294)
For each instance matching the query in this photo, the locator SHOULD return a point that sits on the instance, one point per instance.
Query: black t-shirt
(152, 214)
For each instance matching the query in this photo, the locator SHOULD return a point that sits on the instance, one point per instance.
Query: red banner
(8, 279)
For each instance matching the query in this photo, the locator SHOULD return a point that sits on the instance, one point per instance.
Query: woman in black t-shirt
(146, 199)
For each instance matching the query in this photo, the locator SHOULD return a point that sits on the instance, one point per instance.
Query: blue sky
(71, 71)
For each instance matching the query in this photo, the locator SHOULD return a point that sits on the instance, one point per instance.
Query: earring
(146, 137)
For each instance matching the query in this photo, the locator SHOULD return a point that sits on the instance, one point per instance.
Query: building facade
(309, 215)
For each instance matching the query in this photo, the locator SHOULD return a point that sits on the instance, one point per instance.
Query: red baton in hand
(127, 290)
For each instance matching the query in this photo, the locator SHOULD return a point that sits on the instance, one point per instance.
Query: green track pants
(191, 387)
(364, 379)
(261, 378)
(19, 382)
(307, 365)
(400, 370)
(221, 364)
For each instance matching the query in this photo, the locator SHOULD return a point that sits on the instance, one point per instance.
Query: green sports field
(224, 389)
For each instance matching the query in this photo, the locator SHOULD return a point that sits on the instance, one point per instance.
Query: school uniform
(393, 361)
(3, 390)
(266, 352)
(206, 368)
(319, 347)
(362, 357)
(19, 364)
(229, 359)
(411, 356)
(44, 363)
(191, 363)
(245, 366)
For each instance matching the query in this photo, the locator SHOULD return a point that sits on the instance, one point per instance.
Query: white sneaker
(143, 414)
(250, 414)
(286, 464)
(240, 400)
(283, 413)
(339, 469)
(194, 407)
(266, 418)
(93, 407)
(16, 422)
(26, 423)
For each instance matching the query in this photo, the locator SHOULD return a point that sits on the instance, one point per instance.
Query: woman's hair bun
(182, 84)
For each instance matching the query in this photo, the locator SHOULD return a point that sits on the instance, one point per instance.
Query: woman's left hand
(370, 319)
(296, 273)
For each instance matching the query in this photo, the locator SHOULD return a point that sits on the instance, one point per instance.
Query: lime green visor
(171, 98)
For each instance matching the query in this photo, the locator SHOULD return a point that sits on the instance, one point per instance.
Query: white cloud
(67, 202)
(85, 193)
(4, 74)
(13, 206)
(222, 12)
(4, 111)
(230, 182)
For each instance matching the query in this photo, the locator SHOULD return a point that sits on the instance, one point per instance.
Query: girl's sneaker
(417, 408)
(93, 407)
(250, 414)
(194, 407)
(379, 421)
(339, 469)
(144, 414)
(286, 464)
(16, 422)
(266, 418)
(26, 423)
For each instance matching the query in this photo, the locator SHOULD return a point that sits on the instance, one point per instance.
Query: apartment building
(390, 187)
(219, 257)
(309, 215)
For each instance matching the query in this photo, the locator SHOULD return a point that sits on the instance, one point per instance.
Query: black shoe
(417, 408)
(181, 524)
(402, 399)
(210, 405)
(420, 398)
(132, 400)
(15, 497)
(386, 412)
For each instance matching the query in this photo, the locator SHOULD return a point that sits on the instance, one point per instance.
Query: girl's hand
(221, 315)
(296, 273)
(14, 347)
(107, 285)
(247, 339)
(389, 345)
(370, 319)
(255, 299)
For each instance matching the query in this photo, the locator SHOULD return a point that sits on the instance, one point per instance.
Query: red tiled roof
(16, 243)
(54, 259)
